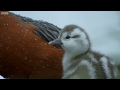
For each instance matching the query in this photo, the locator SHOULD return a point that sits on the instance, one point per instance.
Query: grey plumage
(46, 31)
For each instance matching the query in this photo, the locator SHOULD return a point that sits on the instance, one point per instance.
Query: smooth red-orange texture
(24, 54)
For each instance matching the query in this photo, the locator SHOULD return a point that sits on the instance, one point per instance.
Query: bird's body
(88, 66)
(25, 54)
(79, 61)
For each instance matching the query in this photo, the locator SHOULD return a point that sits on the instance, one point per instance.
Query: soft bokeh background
(103, 27)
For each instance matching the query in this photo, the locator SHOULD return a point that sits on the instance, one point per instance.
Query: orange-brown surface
(24, 54)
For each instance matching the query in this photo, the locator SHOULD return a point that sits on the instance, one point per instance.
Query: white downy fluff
(104, 61)
(1, 77)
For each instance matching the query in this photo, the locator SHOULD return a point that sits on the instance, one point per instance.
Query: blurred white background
(103, 27)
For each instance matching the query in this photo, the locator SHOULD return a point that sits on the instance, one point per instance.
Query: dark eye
(67, 37)
(76, 36)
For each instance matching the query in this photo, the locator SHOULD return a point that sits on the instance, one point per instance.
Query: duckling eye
(76, 36)
(67, 37)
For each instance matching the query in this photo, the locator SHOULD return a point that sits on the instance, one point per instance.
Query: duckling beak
(56, 42)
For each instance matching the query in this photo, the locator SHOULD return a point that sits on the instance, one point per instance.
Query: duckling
(79, 61)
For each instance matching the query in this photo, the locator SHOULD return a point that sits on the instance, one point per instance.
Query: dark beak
(56, 42)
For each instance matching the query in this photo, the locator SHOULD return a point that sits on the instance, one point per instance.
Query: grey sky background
(103, 27)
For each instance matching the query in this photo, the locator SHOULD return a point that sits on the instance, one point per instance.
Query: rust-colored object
(25, 55)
